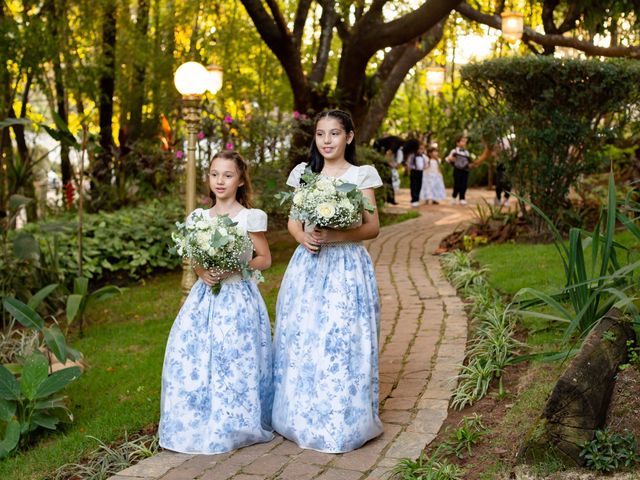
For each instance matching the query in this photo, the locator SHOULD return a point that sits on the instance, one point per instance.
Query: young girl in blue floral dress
(217, 373)
(327, 315)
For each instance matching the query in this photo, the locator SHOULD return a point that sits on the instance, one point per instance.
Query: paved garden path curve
(422, 343)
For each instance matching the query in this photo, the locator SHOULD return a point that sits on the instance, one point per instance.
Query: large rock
(578, 404)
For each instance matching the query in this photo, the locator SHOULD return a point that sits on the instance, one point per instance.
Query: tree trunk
(139, 75)
(579, 402)
(5, 101)
(391, 75)
(101, 169)
(58, 10)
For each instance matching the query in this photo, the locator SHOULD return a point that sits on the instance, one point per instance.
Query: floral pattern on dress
(326, 348)
(217, 375)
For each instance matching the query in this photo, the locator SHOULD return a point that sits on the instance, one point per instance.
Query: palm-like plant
(591, 288)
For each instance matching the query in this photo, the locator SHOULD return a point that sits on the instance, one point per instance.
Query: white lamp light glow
(214, 83)
(435, 79)
(512, 26)
(191, 78)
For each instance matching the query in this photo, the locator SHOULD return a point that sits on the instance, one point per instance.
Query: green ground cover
(512, 267)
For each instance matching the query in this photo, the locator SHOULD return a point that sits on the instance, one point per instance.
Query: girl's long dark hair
(244, 192)
(316, 160)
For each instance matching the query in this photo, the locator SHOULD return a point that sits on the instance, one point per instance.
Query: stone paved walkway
(422, 343)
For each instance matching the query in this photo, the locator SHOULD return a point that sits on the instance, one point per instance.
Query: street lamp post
(192, 80)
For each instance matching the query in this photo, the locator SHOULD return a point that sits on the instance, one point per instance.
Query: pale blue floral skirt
(326, 350)
(217, 373)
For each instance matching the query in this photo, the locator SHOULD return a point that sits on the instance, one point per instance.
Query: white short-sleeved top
(364, 176)
(248, 219)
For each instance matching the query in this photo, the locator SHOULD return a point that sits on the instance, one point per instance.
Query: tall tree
(103, 162)
(364, 83)
(139, 75)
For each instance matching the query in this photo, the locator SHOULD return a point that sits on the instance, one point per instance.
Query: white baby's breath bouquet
(326, 202)
(213, 243)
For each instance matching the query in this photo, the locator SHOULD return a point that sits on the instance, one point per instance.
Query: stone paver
(423, 334)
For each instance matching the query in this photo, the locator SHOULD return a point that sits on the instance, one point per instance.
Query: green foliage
(269, 179)
(369, 156)
(28, 317)
(595, 280)
(30, 402)
(610, 451)
(132, 241)
(106, 460)
(426, 468)
(469, 431)
(556, 108)
(633, 356)
(493, 344)
(81, 298)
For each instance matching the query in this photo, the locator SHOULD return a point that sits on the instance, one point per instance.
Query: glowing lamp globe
(435, 79)
(191, 78)
(512, 26)
(214, 83)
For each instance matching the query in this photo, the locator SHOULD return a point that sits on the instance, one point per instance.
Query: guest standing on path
(460, 158)
(432, 182)
(328, 313)
(414, 157)
(217, 373)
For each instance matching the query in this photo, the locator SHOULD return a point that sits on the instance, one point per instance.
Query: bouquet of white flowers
(213, 243)
(326, 202)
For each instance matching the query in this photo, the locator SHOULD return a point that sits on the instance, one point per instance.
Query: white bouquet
(326, 202)
(213, 243)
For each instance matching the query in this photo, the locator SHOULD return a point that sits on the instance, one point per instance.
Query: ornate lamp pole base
(191, 108)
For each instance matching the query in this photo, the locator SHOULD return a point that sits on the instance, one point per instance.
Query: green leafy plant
(426, 467)
(493, 344)
(81, 298)
(591, 288)
(31, 402)
(27, 316)
(610, 451)
(469, 431)
(108, 460)
(556, 109)
(132, 241)
(633, 356)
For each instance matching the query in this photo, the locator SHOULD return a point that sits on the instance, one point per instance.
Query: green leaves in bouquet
(218, 239)
(30, 402)
(346, 187)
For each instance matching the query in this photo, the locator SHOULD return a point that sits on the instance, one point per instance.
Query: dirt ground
(501, 445)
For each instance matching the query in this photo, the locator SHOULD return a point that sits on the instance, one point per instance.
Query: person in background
(460, 158)
(414, 159)
(432, 182)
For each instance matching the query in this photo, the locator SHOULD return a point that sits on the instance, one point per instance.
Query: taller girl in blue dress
(327, 314)
(217, 372)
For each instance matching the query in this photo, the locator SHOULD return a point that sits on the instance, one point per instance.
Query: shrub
(132, 241)
(556, 108)
(610, 451)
